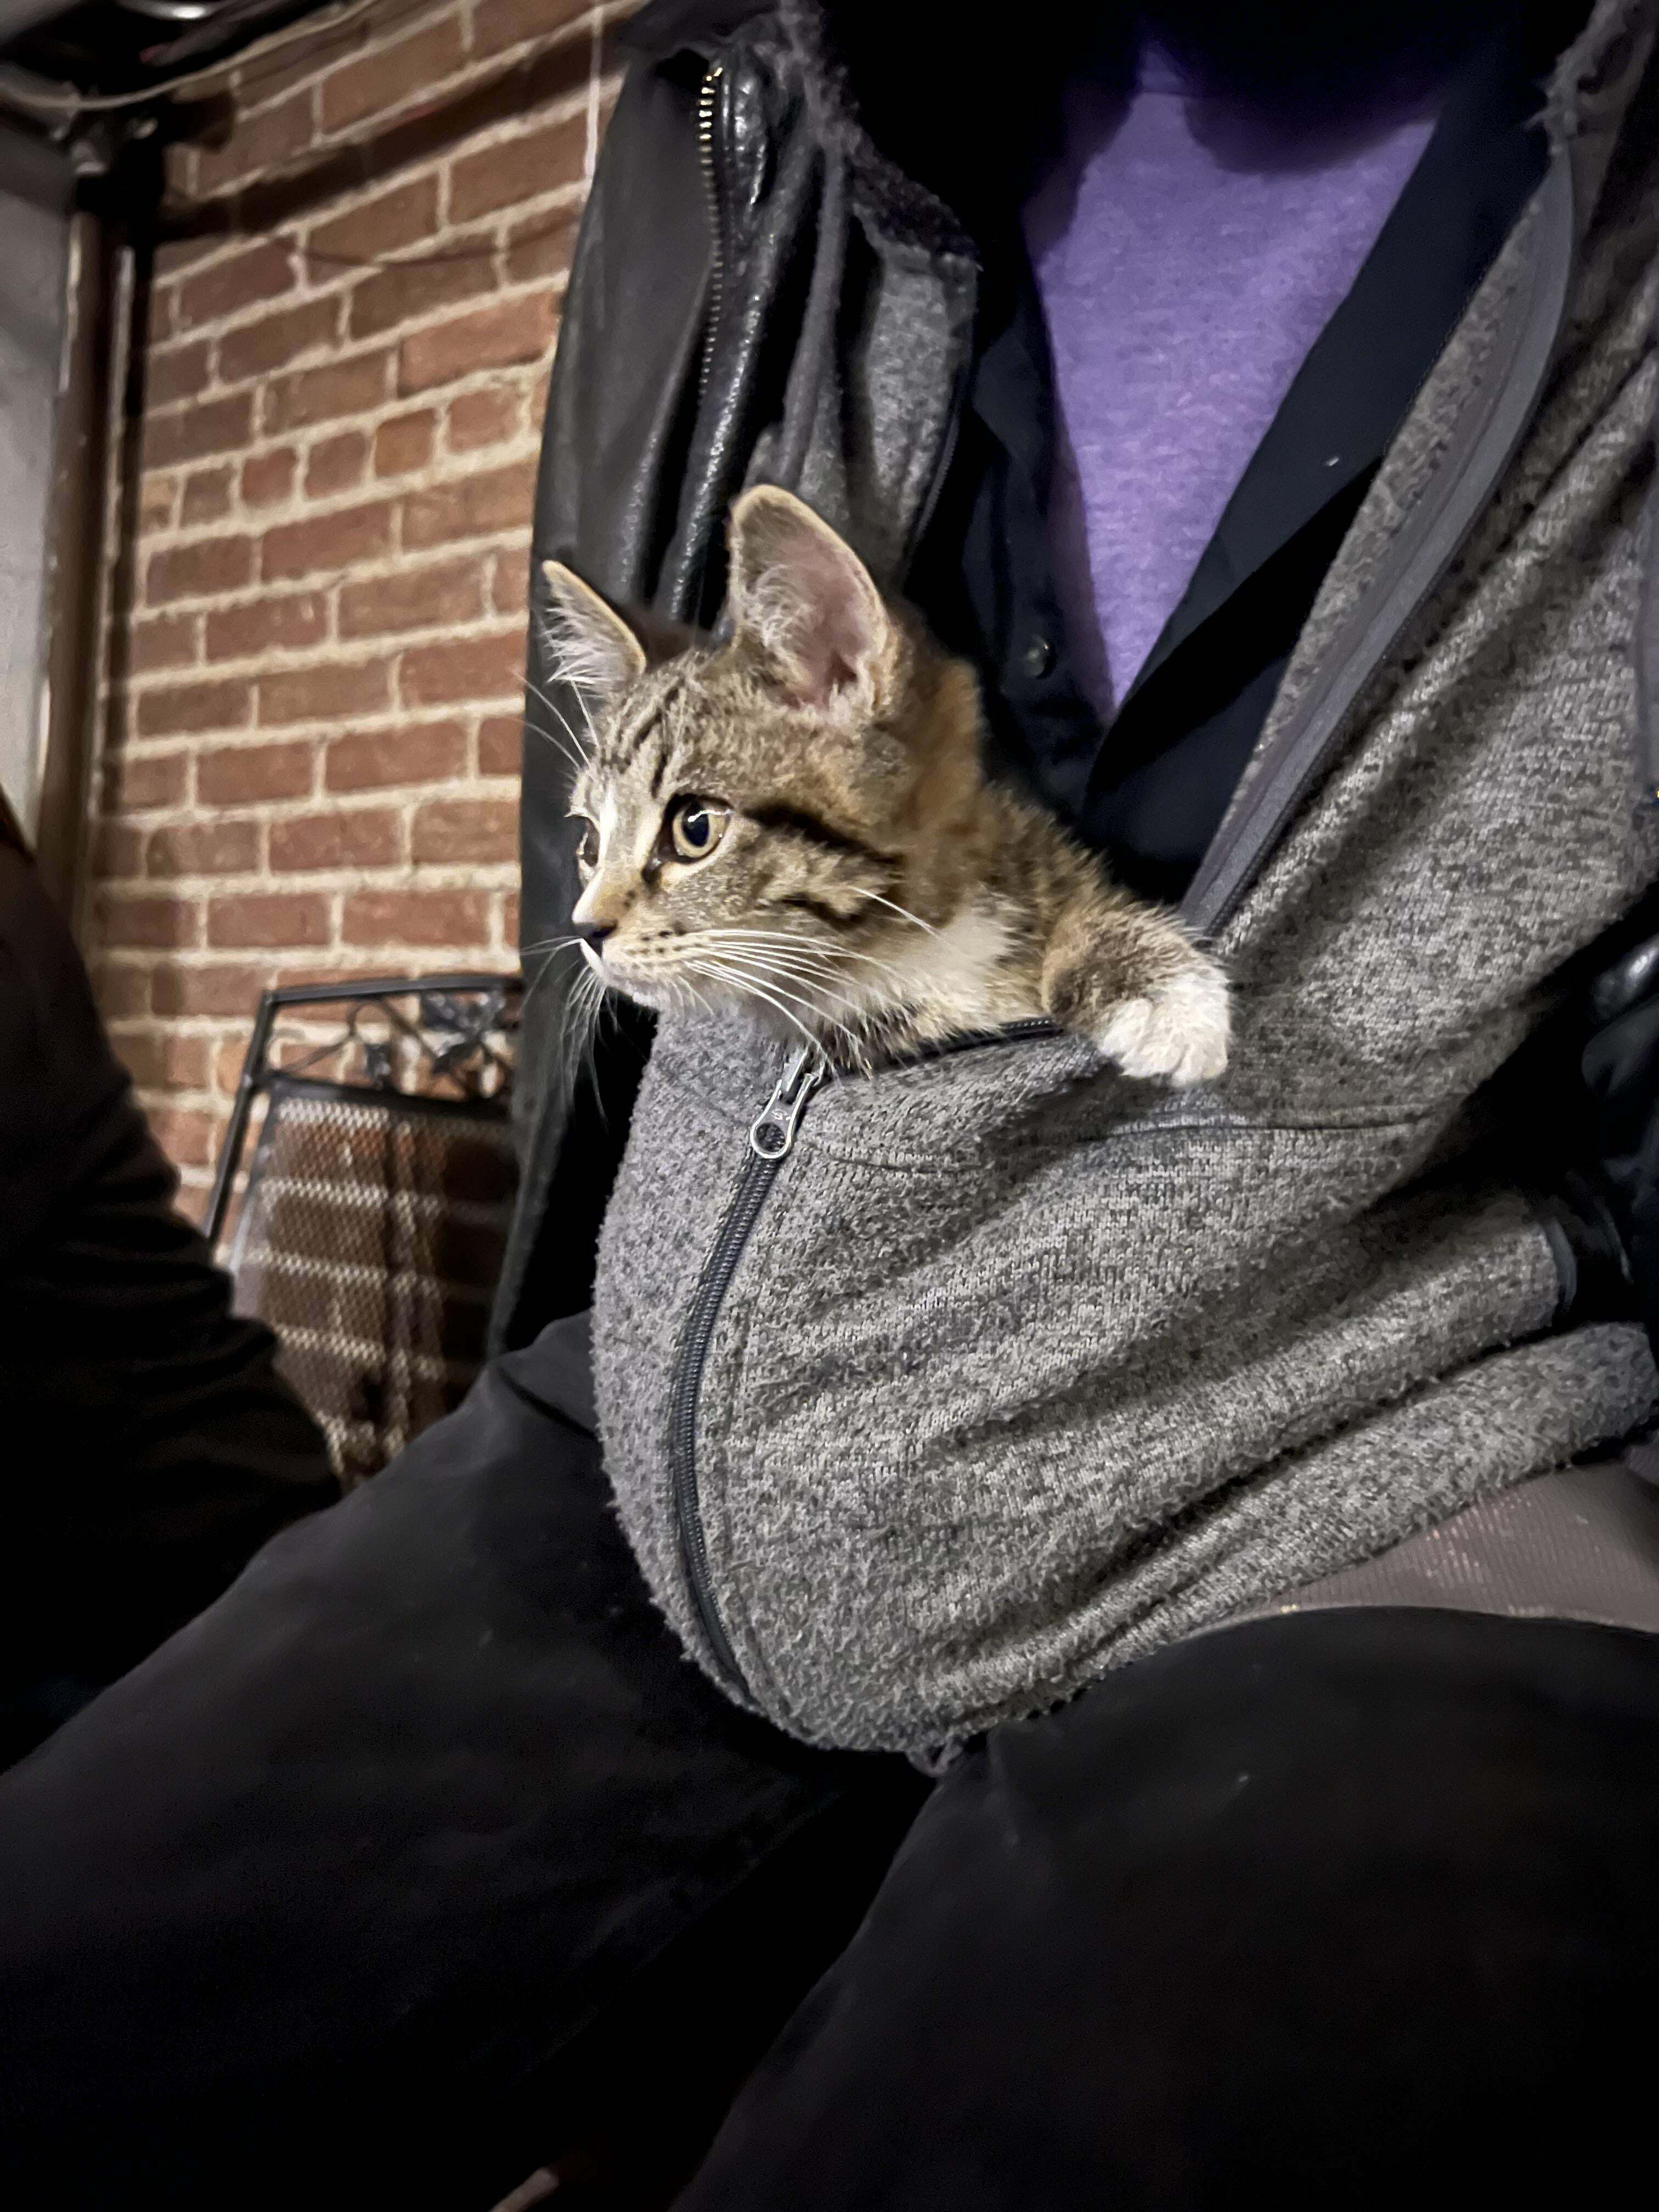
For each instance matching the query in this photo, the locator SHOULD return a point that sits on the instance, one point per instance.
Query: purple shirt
(1187, 257)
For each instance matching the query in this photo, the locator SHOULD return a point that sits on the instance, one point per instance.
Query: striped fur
(872, 890)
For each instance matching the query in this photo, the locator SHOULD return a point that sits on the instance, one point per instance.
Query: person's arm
(1619, 1064)
(1577, 1108)
(612, 466)
(151, 1446)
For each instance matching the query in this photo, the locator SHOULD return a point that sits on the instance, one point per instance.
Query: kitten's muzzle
(593, 934)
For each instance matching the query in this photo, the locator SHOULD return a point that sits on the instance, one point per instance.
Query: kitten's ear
(804, 597)
(590, 646)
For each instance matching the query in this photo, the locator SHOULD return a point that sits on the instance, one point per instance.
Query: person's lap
(1350, 1907)
(331, 1893)
(368, 1844)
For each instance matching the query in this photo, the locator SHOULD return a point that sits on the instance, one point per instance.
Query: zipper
(1482, 444)
(771, 1140)
(1020, 1032)
(707, 101)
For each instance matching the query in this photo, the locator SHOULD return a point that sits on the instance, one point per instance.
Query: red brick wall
(317, 624)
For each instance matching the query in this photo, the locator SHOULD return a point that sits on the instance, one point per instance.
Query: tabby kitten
(797, 823)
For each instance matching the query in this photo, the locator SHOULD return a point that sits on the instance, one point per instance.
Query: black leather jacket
(755, 293)
(758, 291)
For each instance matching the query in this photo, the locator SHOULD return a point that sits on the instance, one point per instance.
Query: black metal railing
(363, 1193)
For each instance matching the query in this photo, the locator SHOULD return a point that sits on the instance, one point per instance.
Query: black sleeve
(1620, 1065)
(612, 465)
(150, 1447)
(1576, 1111)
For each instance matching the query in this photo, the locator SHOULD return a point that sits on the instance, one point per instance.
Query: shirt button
(1038, 658)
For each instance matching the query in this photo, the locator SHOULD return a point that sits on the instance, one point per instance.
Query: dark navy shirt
(1149, 788)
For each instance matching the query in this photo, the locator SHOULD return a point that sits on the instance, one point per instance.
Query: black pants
(424, 1850)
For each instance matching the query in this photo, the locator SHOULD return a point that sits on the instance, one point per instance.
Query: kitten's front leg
(1127, 977)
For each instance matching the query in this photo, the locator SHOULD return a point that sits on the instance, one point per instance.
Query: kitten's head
(759, 821)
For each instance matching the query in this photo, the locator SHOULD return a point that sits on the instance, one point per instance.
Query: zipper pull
(772, 1135)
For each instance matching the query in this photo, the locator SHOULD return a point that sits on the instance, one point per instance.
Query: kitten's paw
(1179, 1030)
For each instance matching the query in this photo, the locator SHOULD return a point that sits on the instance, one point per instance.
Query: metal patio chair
(362, 1196)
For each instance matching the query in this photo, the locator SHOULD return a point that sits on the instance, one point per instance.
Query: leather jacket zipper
(707, 101)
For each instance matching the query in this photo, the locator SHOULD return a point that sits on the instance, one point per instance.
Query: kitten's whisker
(579, 762)
(805, 971)
(571, 1032)
(820, 1012)
(581, 701)
(548, 944)
(545, 970)
(757, 963)
(548, 701)
(837, 991)
(873, 997)
(566, 670)
(801, 952)
(549, 737)
(742, 963)
(583, 756)
(816, 948)
(745, 987)
(825, 1000)
(572, 1019)
(535, 985)
(586, 998)
(860, 891)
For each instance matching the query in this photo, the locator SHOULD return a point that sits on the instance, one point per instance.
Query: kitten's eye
(696, 826)
(587, 845)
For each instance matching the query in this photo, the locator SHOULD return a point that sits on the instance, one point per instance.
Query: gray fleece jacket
(929, 1397)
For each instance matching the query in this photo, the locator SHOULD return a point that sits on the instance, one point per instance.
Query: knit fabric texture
(1027, 1369)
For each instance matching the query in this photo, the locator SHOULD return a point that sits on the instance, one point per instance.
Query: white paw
(1180, 1030)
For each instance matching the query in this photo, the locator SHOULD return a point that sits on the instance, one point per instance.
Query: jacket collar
(700, 27)
(806, 28)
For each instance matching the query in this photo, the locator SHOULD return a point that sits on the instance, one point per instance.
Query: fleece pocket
(908, 1421)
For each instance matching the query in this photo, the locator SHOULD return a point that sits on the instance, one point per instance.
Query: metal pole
(75, 539)
(252, 1076)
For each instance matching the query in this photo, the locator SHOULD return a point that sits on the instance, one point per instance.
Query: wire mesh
(370, 1240)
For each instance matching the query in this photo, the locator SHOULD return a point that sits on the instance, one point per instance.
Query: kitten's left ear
(590, 646)
(801, 596)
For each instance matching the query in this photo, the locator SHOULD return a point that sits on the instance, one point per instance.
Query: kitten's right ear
(803, 598)
(589, 645)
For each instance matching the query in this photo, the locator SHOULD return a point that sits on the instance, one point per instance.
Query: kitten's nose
(594, 933)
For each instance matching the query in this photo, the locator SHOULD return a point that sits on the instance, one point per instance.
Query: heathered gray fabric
(1026, 1369)
(887, 322)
